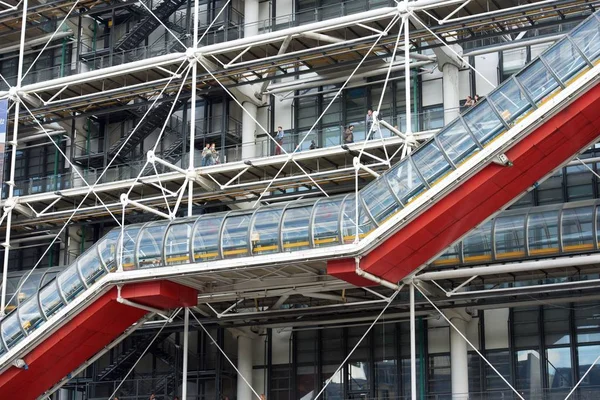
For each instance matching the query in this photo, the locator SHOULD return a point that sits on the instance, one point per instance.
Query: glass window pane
(564, 60)
(405, 181)
(510, 236)
(29, 285)
(556, 326)
(325, 224)
(559, 370)
(206, 238)
(365, 225)
(543, 233)
(577, 229)
(586, 355)
(380, 202)
(483, 123)
(265, 231)
(538, 81)
(431, 162)
(90, 266)
(107, 249)
(456, 142)
(70, 283)
(50, 299)
(129, 243)
(177, 243)
(11, 330)
(587, 38)
(30, 314)
(235, 236)
(150, 245)
(294, 230)
(477, 246)
(510, 101)
(450, 257)
(528, 373)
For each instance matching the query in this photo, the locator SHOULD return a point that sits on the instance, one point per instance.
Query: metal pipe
(407, 75)
(413, 344)
(513, 45)
(376, 279)
(13, 160)
(186, 339)
(34, 42)
(525, 266)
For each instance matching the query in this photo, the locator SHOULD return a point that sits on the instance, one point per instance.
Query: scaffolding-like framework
(386, 37)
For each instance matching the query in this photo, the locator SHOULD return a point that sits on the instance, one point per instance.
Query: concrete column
(244, 365)
(459, 361)
(451, 93)
(250, 18)
(249, 131)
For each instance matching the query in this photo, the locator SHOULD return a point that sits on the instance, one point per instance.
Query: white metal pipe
(514, 45)
(149, 209)
(251, 18)
(186, 340)
(244, 391)
(413, 344)
(249, 130)
(376, 279)
(34, 42)
(13, 159)
(407, 87)
(192, 146)
(311, 83)
(459, 360)
(524, 266)
(322, 37)
(141, 307)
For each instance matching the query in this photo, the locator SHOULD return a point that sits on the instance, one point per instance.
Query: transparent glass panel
(431, 162)
(586, 355)
(11, 330)
(543, 233)
(405, 181)
(510, 236)
(11, 287)
(380, 202)
(457, 143)
(450, 257)
(177, 243)
(206, 238)
(28, 286)
(107, 249)
(577, 229)
(90, 266)
(265, 231)
(587, 38)
(235, 236)
(510, 101)
(30, 314)
(294, 228)
(365, 224)
(538, 81)
(50, 299)
(129, 242)
(559, 371)
(564, 60)
(483, 122)
(149, 253)
(325, 224)
(70, 283)
(477, 246)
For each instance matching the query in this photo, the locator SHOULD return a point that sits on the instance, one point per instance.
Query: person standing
(368, 121)
(279, 140)
(206, 155)
(214, 155)
(349, 135)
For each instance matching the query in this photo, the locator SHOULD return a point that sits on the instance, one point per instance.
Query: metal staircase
(148, 24)
(153, 120)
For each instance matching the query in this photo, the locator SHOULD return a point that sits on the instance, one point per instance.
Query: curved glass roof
(327, 221)
(529, 233)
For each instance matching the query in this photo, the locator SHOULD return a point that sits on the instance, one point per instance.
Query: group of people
(210, 156)
(471, 101)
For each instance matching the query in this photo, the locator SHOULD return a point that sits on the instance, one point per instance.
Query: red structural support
(86, 334)
(559, 139)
